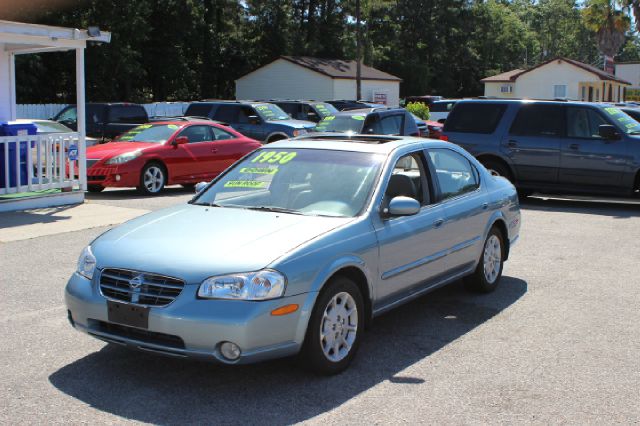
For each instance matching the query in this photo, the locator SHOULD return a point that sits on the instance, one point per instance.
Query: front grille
(125, 332)
(140, 288)
(91, 162)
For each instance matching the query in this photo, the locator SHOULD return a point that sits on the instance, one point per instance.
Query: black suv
(258, 120)
(551, 146)
(105, 120)
(306, 110)
(371, 121)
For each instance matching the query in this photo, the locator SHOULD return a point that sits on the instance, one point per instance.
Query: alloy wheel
(492, 259)
(339, 326)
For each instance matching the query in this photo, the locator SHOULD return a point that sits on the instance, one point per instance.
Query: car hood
(108, 150)
(195, 242)
(296, 124)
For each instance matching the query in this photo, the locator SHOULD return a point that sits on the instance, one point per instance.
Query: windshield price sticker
(358, 117)
(245, 184)
(282, 157)
(612, 111)
(259, 170)
(144, 126)
(173, 126)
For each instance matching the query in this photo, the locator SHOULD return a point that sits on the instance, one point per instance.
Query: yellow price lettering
(244, 184)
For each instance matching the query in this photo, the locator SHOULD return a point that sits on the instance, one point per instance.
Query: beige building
(303, 77)
(559, 78)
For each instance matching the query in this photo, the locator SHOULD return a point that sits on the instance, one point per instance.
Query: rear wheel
(335, 326)
(497, 168)
(487, 275)
(152, 179)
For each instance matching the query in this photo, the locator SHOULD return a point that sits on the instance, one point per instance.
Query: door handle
(485, 206)
(438, 223)
(512, 144)
(214, 150)
(574, 146)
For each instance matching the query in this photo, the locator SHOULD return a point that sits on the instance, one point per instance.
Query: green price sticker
(173, 126)
(245, 184)
(612, 111)
(144, 126)
(329, 118)
(358, 117)
(259, 170)
(271, 157)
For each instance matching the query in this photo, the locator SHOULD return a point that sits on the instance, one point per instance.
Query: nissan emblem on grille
(135, 284)
(143, 288)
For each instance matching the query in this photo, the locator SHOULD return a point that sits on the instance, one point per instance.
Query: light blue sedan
(294, 249)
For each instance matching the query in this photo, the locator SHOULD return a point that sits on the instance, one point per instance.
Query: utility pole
(358, 54)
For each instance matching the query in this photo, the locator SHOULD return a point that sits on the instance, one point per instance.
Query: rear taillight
(444, 138)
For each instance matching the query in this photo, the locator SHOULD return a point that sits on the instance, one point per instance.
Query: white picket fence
(47, 111)
(39, 162)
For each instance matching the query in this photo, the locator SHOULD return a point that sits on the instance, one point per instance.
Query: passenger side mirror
(403, 206)
(254, 119)
(200, 186)
(181, 140)
(608, 132)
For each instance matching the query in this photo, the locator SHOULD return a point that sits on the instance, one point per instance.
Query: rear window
(475, 117)
(198, 110)
(341, 123)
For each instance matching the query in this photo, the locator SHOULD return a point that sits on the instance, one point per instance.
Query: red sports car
(162, 153)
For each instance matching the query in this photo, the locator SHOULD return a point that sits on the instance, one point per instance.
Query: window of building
(560, 91)
(506, 88)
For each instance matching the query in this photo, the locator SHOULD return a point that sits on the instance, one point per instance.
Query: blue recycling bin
(15, 129)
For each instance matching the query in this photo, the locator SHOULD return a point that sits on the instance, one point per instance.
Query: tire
(487, 275)
(276, 138)
(95, 188)
(153, 177)
(497, 168)
(189, 186)
(318, 353)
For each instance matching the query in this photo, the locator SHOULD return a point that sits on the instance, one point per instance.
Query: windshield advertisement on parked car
(270, 112)
(341, 124)
(625, 122)
(303, 181)
(152, 133)
(325, 110)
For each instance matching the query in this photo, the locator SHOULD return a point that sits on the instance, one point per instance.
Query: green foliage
(196, 49)
(418, 108)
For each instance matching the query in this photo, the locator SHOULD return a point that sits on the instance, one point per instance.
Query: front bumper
(190, 327)
(113, 176)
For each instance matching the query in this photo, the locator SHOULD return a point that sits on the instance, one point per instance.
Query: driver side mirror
(200, 186)
(181, 140)
(254, 119)
(608, 132)
(403, 206)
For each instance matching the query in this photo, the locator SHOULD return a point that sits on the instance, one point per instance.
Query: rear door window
(539, 120)
(227, 113)
(475, 117)
(389, 125)
(127, 114)
(455, 174)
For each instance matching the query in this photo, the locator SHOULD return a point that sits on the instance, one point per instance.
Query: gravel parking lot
(557, 342)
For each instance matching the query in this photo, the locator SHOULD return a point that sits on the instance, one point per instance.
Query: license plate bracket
(125, 314)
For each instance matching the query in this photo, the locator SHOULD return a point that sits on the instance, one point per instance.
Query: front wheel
(152, 179)
(487, 275)
(335, 327)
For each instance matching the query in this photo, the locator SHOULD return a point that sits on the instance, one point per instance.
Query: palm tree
(608, 22)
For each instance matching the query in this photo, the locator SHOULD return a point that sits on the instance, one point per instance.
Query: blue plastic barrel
(15, 129)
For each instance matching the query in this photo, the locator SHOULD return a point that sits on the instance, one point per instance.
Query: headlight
(261, 285)
(123, 158)
(299, 132)
(86, 263)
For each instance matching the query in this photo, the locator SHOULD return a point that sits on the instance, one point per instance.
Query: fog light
(230, 351)
(117, 178)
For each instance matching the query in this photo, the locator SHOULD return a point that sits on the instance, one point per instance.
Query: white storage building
(303, 77)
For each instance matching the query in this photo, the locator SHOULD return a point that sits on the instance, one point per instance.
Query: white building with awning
(35, 169)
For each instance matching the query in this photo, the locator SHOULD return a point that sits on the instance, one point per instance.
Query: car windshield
(324, 109)
(152, 133)
(271, 112)
(298, 181)
(45, 127)
(341, 123)
(624, 121)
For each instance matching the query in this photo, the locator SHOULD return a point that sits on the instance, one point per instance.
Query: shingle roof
(338, 68)
(512, 75)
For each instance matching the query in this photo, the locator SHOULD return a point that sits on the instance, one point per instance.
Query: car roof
(375, 144)
(535, 101)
